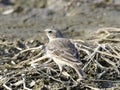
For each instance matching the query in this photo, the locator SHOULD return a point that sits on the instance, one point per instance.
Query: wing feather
(63, 49)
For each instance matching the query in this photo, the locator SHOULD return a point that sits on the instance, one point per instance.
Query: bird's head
(53, 33)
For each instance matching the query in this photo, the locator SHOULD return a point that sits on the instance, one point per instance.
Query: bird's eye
(49, 31)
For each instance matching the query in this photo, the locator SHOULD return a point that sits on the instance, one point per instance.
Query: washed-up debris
(23, 64)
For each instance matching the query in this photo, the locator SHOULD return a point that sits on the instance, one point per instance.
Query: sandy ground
(76, 18)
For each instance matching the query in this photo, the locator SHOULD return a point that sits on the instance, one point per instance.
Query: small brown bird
(63, 52)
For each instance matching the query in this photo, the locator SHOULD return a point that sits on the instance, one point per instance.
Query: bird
(63, 52)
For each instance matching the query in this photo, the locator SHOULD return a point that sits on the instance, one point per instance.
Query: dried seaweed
(24, 65)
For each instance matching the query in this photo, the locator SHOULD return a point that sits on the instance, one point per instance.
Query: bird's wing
(64, 56)
(63, 49)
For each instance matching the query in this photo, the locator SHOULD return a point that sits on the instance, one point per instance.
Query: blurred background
(76, 18)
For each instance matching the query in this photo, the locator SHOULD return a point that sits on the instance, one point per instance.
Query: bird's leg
(63, 72)
(80, 73)
(60, 68)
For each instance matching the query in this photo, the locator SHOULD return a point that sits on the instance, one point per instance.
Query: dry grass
(23, 64)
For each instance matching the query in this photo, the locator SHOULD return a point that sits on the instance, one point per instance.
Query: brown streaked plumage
(63, 52)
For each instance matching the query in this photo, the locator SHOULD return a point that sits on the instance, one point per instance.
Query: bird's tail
(80, 72)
